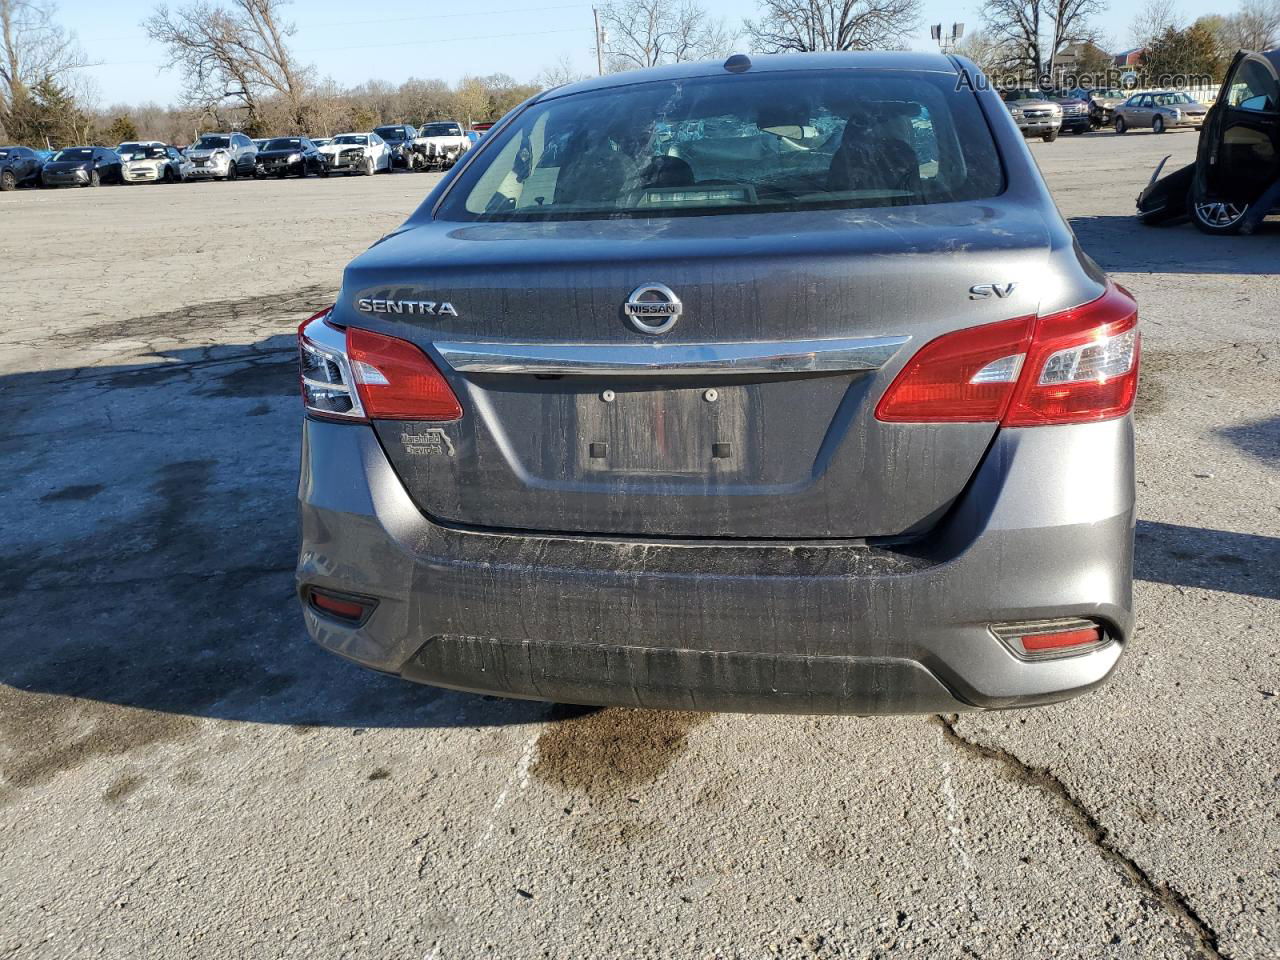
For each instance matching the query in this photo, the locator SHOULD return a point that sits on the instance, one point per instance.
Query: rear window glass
(746, 144)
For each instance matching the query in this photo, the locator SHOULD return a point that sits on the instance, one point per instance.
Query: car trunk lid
(751, 416)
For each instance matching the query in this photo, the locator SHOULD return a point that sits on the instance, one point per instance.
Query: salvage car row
(1077, 111)
(227, 156)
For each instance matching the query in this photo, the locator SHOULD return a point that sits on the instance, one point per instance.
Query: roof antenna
(738, 63)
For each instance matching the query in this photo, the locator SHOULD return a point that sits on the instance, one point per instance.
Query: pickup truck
(1035, 115)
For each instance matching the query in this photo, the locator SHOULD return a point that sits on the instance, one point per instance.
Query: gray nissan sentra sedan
(770, 385)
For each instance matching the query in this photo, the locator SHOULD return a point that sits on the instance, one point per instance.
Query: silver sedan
(1160, 111)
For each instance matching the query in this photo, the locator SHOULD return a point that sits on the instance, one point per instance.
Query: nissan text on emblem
(653, 308)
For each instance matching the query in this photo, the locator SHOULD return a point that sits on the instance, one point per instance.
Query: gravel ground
(183, 774)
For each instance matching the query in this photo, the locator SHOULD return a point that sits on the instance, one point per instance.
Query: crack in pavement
(1078, 816)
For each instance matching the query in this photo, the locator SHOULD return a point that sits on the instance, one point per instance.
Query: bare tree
(33, 46)
(696, 35)
(559, 74)
(803, 25)
(239, 51)
(984, 50)
(646, 33)
(1029, 34)
(1071, 22)
(1255, 26)
(1153, 20)
(1015, 29)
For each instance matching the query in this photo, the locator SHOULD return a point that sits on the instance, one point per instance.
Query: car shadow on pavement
(150, 539)
(1243, 563)
(1259, 439)
(1120, 244)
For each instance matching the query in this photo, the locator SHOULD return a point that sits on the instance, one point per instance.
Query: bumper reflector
(1043, 639)
(344, 608)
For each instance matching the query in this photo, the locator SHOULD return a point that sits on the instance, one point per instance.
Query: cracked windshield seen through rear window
(736, 144)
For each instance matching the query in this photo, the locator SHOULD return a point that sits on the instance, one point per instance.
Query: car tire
(169, 176)
(8, 181)
(1121, 126)
(95, 179)
(1157, 125)
(1050, 137)
(232, 172)
(1216, 217)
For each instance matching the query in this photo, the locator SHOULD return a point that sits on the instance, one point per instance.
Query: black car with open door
(1235, 181)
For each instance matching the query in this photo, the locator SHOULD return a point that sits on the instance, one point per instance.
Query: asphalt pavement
(185, 775)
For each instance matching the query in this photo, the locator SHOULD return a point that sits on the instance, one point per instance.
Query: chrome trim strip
(671, 359)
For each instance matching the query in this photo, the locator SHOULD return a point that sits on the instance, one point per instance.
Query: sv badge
(984, 291)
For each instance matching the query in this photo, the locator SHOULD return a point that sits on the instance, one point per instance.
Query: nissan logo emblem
(653, 308)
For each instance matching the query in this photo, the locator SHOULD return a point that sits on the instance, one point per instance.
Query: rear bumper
(1043, 531)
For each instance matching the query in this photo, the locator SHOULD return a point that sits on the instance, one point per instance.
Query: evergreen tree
(1190, 52)
(119, 130)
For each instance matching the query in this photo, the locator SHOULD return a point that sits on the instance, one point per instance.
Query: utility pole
(599, 53)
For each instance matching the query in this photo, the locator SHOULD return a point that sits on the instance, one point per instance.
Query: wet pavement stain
(607, 752)
(43, 735)
(210, 314)
(1151, 395)
(261, 378)
(78, 491)
(122, 786)
(1151, 390)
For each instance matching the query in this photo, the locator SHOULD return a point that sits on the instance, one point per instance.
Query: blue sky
(405, 38)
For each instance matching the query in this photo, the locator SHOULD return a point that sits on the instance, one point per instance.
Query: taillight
(968, 375)
(360, 375)
(397, 381)
(328, 389)
(1070, 367)
(1082, 366)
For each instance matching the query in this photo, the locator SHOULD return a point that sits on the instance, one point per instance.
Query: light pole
(947, 41)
